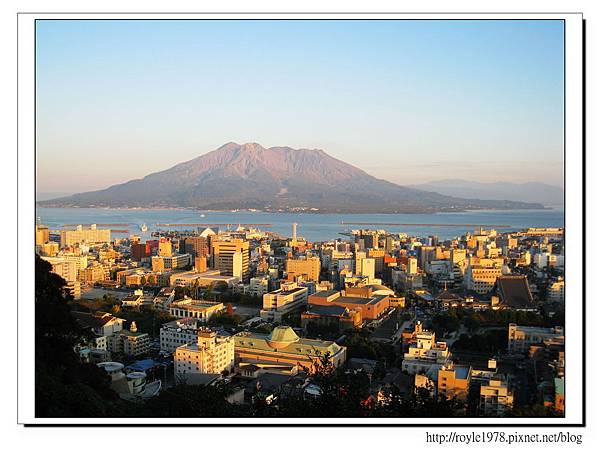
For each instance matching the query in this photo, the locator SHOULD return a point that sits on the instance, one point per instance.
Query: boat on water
(143, 228)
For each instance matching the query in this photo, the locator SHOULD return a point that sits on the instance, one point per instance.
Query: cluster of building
(334, 287)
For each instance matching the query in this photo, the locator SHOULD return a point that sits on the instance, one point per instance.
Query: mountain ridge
(249, 176)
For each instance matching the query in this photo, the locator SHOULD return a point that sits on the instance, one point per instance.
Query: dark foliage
(64, 386)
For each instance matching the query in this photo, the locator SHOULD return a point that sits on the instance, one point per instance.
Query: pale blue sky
(408, 101)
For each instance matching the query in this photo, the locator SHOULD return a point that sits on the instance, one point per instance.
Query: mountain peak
(251, 147)
(249, 175)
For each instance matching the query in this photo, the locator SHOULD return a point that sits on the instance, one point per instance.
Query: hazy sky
(408, 101)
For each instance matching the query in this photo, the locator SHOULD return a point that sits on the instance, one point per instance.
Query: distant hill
(246, 176)
(534, 192)
(50, 195)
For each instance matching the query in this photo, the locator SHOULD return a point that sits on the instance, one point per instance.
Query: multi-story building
(404, 281)
(110, 335)
(377, 255)
(309, 268)
(179, 332)
(289, 298)
(133, 277)
(74, 288)
(556, 291)
(165, 247)
(197, 246)
(425, 354)
(283, 351)
(232, 257)
(163, 300)
(412, 267)
(258, 286)
(131, 342)
(202, 279)
(200, 263)
(102, 325)
(168, 263)
(42, 234)
(211, 353)
(67, 269)
(140, 251)
(496, 398)
(370, 305)
(521, 338)
(453, 382)
(198, 309)
(137, 299)
(47, 249)
(481, 278)
(93, 273)
(365, 267)
(80, 235)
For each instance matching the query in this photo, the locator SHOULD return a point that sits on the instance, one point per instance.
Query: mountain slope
(249, 176)
(525, 192)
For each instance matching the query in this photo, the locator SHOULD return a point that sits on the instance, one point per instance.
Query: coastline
(294, 211)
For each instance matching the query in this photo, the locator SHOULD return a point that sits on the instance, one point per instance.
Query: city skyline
(491, 92)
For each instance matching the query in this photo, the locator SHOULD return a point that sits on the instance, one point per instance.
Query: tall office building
(411, 266)
(232, 257)
(307, 267)
(195, 246)
(367, 268)
(389, 244)
(165, 247)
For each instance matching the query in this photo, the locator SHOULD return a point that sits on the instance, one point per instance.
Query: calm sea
(314, 227)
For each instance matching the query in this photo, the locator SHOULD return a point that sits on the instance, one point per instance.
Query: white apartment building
(179, 332)
(289, 298)
(425, 354)
(211, 353)
(258, 286)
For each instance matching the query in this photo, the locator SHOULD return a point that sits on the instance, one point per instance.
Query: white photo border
(574, 225)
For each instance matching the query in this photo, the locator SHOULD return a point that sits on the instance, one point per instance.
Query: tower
(294, 229)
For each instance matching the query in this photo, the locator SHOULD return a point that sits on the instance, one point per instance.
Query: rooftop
(514, 291)
(322, 310)
(301, 346)
(362, 300)
(326, 293)
(95, 320)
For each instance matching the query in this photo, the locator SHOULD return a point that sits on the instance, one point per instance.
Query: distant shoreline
(252, 210)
